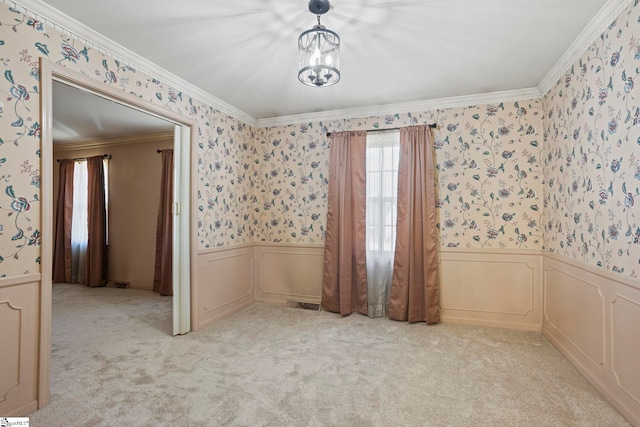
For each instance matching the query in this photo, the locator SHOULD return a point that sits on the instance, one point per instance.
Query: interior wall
(490, 179)
(134, 196)
(592, 166)
(592, 218)
(19, 317)
(489, 172)
(222, 143)
(222, 162)
(592, 317)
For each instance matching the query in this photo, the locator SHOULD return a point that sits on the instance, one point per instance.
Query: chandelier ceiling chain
(319, 51)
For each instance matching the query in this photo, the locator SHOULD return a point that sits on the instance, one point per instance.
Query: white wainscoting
(288, 272)
(224, 284)
(482, 287)
(593, 317)
(19, 335)
(590, 315)
(500, 288)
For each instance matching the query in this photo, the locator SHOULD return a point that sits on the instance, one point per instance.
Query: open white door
(181, 214)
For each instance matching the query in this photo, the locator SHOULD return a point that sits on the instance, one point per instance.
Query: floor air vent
(122, 284)
(304, 305)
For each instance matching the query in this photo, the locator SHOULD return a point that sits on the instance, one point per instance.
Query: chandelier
(319, 51)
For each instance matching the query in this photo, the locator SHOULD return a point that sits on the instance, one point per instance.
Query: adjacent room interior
(495, 165)
(131, 143)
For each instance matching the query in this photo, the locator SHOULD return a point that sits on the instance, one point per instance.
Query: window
(383, 151)
(79, 220)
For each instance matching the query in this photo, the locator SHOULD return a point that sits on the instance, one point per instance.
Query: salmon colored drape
(414, 288)
(162, 280)
(96, 264)
(62, 233)
(344, 278)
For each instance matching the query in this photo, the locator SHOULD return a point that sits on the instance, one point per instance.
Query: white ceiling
(81, 116)
(393, 51)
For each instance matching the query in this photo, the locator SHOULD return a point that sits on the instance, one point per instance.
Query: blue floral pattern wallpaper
(561, 172)
(592, 153)
(489, 165)
(222, 142)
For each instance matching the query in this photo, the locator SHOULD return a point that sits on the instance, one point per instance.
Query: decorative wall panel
(625, 344)
(287, 272)
(10, 335)
(592, 317)
(491, 288)
(19, 328)
(575, 307)
(223, 284)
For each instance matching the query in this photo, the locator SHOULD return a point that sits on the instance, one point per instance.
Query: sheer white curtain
(383, 149)
(80, 217)
(79, 227)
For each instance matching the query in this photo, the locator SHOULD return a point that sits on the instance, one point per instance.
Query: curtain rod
(104, 156)
(166, 149)
(431, 125)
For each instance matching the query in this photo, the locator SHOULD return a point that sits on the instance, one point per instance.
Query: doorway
(183, 190)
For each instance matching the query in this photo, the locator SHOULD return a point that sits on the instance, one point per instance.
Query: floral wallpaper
(223, 143)
(592, 152)
(489, 165)
(561, 172)
(224, 190)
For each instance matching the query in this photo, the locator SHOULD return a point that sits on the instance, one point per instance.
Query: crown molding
(70, 27)
(610, 11)
(426, 105)
(76, 30)
(105, 142)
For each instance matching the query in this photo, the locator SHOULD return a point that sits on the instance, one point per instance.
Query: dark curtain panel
(62, 227)
(344, 279)
(162, 281)
(96, 264)
(414, 287)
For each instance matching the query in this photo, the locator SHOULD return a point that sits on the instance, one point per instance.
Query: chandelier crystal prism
(319, 51)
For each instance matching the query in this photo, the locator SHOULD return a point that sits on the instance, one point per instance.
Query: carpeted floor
(114, 363)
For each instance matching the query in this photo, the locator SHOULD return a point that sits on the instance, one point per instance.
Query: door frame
(184, 190)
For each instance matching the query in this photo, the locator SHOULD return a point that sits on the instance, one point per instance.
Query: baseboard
(24, 410)
(594, 380)
(491, 323)
(279, 302)
(221, 314)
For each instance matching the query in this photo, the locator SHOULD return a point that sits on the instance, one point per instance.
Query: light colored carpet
(113, 363)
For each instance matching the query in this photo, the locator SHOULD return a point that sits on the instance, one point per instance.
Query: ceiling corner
(610, 11)
(71, 27)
